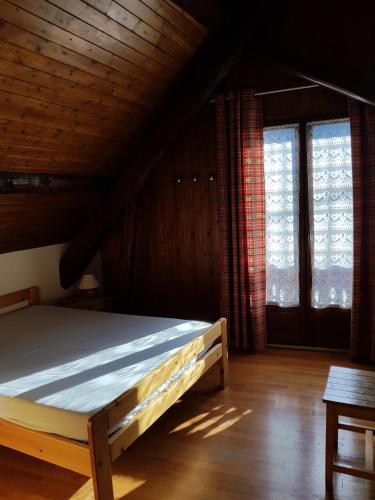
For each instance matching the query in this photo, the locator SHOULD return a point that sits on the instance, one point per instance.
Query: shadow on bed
(135, 364)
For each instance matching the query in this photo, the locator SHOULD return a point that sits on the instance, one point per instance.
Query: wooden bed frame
(95, 458)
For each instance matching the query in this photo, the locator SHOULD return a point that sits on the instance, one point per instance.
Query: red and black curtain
(242, 217)
(362, 122)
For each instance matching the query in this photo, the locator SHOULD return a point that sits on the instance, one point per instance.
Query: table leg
(331, 440)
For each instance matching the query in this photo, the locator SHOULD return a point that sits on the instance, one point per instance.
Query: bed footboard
(106, 450)
(101, 464)
(223, 362)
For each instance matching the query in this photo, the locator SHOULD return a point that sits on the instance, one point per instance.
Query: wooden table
(349, 393)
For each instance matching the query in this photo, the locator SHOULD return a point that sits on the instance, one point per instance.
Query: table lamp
(88, 283)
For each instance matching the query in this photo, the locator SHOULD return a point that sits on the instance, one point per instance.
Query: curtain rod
(290, 89)
(278, 91)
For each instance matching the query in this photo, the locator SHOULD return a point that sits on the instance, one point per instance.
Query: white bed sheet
(58, 366)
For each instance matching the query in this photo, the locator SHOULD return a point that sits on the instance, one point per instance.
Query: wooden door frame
(306, 317)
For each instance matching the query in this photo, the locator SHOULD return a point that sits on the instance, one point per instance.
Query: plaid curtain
(239, 133)
(362, 121)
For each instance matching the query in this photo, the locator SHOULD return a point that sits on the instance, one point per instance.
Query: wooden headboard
(18, 300)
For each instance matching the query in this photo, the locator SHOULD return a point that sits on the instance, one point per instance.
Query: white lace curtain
(281, 186)
(331, 213)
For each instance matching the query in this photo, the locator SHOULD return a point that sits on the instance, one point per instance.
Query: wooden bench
(349, 393)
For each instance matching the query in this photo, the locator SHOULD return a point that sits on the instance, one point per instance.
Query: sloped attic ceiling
(77, 78)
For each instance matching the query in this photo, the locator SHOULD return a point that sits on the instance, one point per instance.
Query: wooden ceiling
(78, 77)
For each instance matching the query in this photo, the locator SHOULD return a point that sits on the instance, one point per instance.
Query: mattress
(58, 366)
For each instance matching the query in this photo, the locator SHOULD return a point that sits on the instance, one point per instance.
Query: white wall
(37, 267)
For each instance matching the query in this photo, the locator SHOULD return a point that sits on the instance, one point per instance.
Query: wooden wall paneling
(32, 220)
(186, 219)
(303, 104)
(207, 283)
(176, 270)
(208, 229)
(200, 221)
(111, 253)
(165, 237)
(178, 264)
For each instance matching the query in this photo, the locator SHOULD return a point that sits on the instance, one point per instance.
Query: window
(331, 213)
(309, 238)
(281, 186)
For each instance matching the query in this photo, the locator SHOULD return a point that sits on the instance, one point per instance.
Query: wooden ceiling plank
(20, 128)
(177, 18)
(59, 116)
(141, 10)
(210, 66)
(39, 85)
(42, 155)
(69, 108)
(34, 152)
(38, 151)
(108, 92)
(91, 52)
(154, 59)
(74, 26)
(127, 19)
(32, 116)
(121, 85)
(31, 144)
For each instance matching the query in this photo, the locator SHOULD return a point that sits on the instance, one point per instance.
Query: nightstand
(93, 302)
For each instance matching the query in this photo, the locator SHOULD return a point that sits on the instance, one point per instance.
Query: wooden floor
(262, 438)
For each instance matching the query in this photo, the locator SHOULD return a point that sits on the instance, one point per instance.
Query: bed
(78, 387)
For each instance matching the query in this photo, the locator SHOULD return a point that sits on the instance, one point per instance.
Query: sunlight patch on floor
(189, 423)
(213, 422)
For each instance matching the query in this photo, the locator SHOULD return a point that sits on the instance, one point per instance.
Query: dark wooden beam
(359, 91)
(23, 183)
(210, 13)
(213, 62)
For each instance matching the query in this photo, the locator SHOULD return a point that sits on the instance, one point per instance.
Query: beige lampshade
(88, 282)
